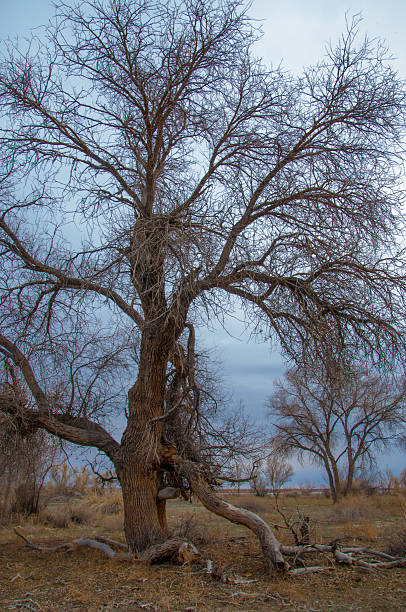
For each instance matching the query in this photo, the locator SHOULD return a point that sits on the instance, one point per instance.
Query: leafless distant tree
(26, 457)
(154, 172)
(339, 419)
(258, 482)
(278, 471)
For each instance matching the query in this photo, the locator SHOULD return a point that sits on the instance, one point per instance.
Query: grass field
(86, 580)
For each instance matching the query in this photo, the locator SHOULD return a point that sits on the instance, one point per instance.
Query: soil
(86, 580)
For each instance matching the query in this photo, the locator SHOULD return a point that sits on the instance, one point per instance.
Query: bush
(350, 509)
(397, 544)
(193, 530)
(109, 501)
(26, 455)
(63, 516)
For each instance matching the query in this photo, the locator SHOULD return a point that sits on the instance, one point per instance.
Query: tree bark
(333, 490)
(143, 522)
(350, 476)
(161, 509)
(139, 463)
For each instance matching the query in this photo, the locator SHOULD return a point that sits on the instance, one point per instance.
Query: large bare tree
(338, 418)
(154, 173)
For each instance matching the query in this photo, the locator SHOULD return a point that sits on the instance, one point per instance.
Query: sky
(295, 34)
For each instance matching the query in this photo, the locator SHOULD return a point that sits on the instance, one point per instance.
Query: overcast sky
(296, 33)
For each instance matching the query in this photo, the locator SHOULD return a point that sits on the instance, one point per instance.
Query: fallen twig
(111, 542)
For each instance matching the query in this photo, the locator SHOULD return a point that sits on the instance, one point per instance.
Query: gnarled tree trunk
(143, 523)
(139, 463)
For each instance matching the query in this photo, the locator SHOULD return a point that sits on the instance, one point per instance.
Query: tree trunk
(161, 509)
(139, 464)
(333, 490)
(143, 523)
(333, 476)
(350, 477)
(337, 483)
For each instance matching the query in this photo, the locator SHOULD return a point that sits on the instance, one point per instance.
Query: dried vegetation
(85, 579)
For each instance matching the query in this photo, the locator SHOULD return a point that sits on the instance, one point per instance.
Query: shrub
(64, 515)
(109, 501)
(397, 544)
(350, 509)
(192, 529)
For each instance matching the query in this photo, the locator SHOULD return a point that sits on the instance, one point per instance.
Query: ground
(86, 580)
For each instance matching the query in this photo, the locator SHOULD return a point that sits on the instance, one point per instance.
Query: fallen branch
(111, 542)
(300, 571)
(66, 547)
(79, 543)
(105, 548)
(184, 551)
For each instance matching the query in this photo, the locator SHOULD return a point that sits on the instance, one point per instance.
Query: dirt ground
(85, 580)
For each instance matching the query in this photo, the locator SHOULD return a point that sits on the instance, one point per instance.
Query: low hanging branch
(271, 547)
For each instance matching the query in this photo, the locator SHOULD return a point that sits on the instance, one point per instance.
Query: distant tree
(258, 482)
(27, 454)
(153, 173)
(337, 418)
(278, 471)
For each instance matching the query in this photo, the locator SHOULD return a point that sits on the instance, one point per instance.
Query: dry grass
(85, 581)
(107, 502)
(63, 515)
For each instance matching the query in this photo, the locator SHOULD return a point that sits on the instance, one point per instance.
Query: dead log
(185, 552)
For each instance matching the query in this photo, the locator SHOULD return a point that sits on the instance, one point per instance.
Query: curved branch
(271, 547)
(80, 431)
(65, 281)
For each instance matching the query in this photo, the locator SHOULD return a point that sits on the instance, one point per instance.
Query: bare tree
(339, 419)
(258, 482)
(154, 173)
(278, 471)
(26, 457)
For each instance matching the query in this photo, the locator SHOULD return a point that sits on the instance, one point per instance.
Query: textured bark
(185, 551)
(139, 464)
(142, 521)
(161, 509)
(271, 547)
